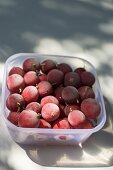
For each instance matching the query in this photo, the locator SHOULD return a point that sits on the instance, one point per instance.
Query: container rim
(14, 56)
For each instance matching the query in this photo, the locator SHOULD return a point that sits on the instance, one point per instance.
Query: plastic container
(39, 136)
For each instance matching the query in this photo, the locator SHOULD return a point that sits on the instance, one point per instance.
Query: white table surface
(67, 28)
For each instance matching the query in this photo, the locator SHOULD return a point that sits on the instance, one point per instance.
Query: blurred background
(67, 27)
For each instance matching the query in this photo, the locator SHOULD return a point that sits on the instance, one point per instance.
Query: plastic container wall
(39, 136)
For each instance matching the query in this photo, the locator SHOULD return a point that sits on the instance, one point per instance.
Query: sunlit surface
(62, 27)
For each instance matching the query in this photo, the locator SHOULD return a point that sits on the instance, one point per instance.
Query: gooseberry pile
(48, 94)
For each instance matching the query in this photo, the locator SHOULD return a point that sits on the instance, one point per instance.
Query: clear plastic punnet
(42, 136)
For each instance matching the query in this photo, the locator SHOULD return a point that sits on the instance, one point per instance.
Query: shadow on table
(24, 23)
(5, 166)
(5, 149)
(97, 151)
